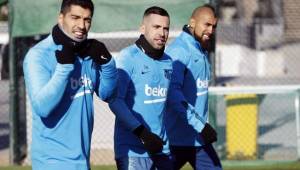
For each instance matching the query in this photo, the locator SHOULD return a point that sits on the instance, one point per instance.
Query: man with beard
(190, 135)
(62, 72)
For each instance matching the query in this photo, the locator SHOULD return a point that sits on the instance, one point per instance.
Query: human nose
(163, 32)
(210, 30)
(81, 24)
(160, 32)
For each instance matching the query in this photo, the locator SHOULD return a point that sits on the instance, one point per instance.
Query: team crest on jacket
(168, 73)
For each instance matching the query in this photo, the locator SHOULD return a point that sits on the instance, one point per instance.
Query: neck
(147, 48)
(188, 29)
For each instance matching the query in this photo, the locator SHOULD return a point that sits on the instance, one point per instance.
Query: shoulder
(128, 54)
(178, 50)
(41, 51)
(46, 44)
(126, 57)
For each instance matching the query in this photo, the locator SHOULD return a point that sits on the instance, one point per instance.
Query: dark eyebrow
(156, 25)
(77, 16)
(73, 15)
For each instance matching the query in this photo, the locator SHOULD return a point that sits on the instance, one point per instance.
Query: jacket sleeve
(176, 100)
(45, 89)
(108, 80)
(118, 106)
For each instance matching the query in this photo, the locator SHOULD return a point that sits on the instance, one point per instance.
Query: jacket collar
(187, 37)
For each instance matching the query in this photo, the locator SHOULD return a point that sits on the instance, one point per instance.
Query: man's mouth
(79, 34)
(206, 37)
(160, 41)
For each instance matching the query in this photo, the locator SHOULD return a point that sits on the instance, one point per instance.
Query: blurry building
(259, 40)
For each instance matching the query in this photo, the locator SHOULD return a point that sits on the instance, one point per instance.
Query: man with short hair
(62, 72)
(144, 75)
(190, 135)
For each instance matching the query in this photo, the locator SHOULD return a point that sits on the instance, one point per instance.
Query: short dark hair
(86, 4)
(156, 10)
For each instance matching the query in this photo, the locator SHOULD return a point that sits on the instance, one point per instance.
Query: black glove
(208, 134)
(151, 141)
(67, 54)
(98, 51)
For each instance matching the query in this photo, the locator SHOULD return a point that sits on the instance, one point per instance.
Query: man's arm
(152, 143)
(179, 104)
(45, 89)
(176, 99)
(118, 105)
(108, 80)
(107, 68)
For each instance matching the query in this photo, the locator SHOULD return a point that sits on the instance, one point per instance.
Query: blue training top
(142, 91)
(61, 96)
(189, 85)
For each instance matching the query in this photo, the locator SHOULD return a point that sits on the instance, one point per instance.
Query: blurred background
(254, 93)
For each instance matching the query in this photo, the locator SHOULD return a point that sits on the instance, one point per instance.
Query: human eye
(156, 26)
(75, 17)
(166, 29)
(88, 20)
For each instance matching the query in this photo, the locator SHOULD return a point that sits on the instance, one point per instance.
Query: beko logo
(202, 83)
(155, 91)
(82, 81)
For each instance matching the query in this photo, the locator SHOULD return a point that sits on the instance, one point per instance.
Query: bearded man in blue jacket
(62, 72)
(190, 135)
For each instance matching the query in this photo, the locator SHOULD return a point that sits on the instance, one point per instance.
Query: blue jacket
(142, 91)
(188, 92)
(61, 96)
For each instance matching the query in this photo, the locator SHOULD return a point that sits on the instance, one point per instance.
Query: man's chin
(79, 39)
(205, 41)
(159, 46)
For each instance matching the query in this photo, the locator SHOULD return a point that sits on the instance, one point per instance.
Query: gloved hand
(151, 141)
(98, 51)
(65, 56)
(208, 134)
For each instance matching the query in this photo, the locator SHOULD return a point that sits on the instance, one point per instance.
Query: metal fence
(4, 126)
(258, 42)
(258, 123)
(254, 47)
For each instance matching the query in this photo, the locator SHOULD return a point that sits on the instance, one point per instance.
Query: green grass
(227, 165)
(29, 168)
(257, 165)
(261, 165)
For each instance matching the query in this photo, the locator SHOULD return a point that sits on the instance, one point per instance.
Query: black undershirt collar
(147, 48)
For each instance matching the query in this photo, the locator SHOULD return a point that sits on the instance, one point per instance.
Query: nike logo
(144, 72)
(145, 69)
(102, 57)
(196, 60)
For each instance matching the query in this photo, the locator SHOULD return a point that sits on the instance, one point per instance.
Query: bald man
(144, 77)
(190, 135)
